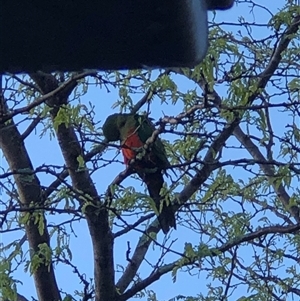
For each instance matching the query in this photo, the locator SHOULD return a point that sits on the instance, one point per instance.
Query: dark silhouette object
(102, 34)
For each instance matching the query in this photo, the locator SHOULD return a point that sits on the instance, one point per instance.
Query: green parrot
(132, 131)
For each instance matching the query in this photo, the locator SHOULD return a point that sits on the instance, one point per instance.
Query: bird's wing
(145, 131)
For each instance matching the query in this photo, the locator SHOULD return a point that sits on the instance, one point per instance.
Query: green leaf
(81, 163)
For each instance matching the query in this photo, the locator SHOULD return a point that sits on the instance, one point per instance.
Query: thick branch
(96, 215)
(29, 191)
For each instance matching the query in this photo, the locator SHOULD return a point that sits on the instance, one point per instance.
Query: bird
(133, 130)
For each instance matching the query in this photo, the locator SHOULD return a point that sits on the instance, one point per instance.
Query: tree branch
(96, 213)
(209, 253)
(29, 190)
(68, 85)
(137, 257)
(209, 163)
(147, 281)
(215, 98)
(134, 225)
(268, 171)
(147, 97)
(31, 127)
(276, 57)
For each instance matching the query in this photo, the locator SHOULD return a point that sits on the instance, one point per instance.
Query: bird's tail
(166, 217)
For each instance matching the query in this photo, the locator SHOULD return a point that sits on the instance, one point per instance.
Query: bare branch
(146, 98)
(134, 225)
(31, 127)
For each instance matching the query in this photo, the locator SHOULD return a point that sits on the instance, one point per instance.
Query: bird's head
(116, 126)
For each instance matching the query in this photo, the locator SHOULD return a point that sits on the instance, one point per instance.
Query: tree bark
(30, 192)
(96, 213)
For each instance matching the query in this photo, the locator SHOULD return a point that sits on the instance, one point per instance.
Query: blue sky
(43, 150)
